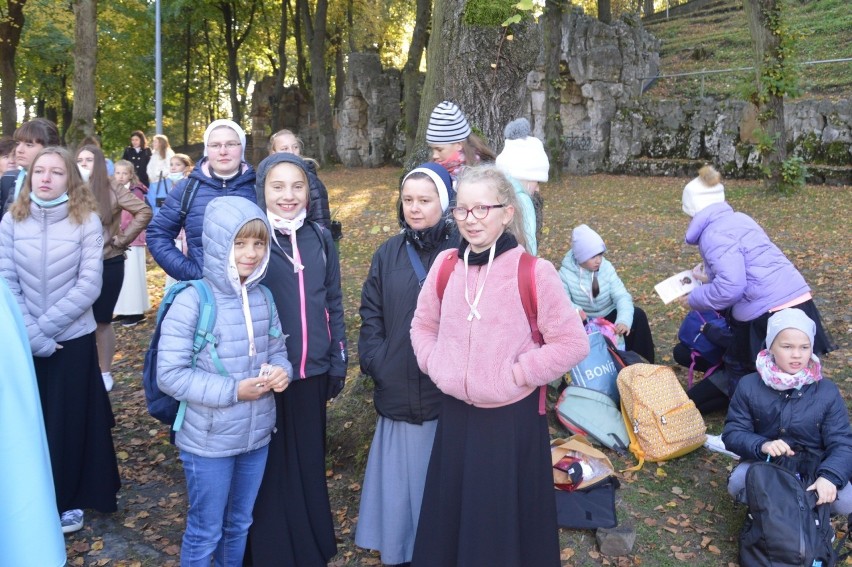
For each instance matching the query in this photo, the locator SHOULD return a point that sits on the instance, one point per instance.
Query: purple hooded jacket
(747, 271)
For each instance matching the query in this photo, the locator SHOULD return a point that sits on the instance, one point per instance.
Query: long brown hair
(164, 145)
(476, 151)
(100, 184)
(490, 175)
(81, 201)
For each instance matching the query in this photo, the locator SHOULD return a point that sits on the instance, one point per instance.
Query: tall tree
(774, 78)
(552, 41)
(281, 70)
(236, 30)
(411, 72)
(11, 26)
(315, 31)
(605, 11)
(85, 61)
(488, 79)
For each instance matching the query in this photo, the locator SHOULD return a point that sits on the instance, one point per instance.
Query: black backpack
(784, 526)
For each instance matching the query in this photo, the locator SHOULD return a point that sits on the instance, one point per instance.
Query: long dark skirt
(113, 278)
(292, 522)
(489, 489)
(78, 418)
(749, 339)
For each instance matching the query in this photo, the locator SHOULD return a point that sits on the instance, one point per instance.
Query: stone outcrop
(369, 113)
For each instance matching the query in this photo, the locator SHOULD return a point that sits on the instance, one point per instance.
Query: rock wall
(369, 114)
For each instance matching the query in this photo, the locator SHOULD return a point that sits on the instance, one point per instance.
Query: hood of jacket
(223, 219)
(704, 217)
(271, 161)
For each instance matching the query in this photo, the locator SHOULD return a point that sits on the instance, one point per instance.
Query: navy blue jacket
(814, 417)
(322, 314)
(166, 225)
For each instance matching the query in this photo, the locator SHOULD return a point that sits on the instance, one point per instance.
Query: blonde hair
(494, 178)
(255, 228)
(164, 144)
(476, 150)
(81, 200)
(134, 179)
(186, 161)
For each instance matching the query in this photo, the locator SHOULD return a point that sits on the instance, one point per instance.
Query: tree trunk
(488, 81)
(316, 35)
(11, 24)
(605, 11)
(648, 7)
(278, 91)
(411, 73)
(302, 77)
(770, 103)
(187, 79)
(339, 68)
(552, 24)
(85, 61)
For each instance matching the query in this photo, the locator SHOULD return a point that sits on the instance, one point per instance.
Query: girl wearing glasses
(489, 486)
(222, 171)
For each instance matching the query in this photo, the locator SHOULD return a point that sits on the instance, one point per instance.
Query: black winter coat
(388, 299)
(318, 210)
(814, 417)
(140, 161)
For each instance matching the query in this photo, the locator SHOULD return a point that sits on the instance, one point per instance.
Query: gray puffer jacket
(54, 267)
(216, 423)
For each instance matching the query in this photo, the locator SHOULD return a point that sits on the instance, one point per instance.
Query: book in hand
(679, 284)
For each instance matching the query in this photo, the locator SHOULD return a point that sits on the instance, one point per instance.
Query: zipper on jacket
(304, 317)
(44, 249)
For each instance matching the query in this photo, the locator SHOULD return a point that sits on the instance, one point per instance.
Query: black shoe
(119, 318)
(132, 320)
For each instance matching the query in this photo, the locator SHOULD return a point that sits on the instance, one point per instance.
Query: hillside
(716, 36)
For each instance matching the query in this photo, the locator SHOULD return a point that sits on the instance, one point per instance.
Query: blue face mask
(48, 204)
(176, 176)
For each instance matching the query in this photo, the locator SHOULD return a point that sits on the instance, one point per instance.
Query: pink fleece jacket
(493, 361)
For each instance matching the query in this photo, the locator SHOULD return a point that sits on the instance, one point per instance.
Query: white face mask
(177, 176)
(84, 173)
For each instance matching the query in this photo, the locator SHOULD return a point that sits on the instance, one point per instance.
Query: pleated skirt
(78, 419)
(133, 299)
(393, 488)
(489, 489)
(292, 523)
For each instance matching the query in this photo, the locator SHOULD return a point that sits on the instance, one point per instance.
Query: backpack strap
(270, 301)
(319, 230)
(416, 263)
(445, 270)
(634, 447)
(187, 198)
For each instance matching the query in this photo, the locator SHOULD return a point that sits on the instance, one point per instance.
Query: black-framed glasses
(479, 212)
(227, 146)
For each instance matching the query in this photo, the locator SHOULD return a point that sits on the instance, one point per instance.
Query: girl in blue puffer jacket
(230, 411)
(744, 272)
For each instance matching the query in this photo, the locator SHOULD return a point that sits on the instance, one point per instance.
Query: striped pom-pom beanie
(447, 125)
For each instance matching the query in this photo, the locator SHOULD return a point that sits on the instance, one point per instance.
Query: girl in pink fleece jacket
(489, 487)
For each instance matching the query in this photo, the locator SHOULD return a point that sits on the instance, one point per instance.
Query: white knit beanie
(703, 191)
(447, 125)
(586, 243)
(233, 126)
(790, 318)
(523, 156)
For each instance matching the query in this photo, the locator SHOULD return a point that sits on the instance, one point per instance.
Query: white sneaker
(108, 381)
(71, 520)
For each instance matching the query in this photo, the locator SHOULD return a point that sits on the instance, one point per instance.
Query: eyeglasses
(479, 211)
(227, 146)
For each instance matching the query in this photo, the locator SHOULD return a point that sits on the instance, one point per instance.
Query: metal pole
(158, 71)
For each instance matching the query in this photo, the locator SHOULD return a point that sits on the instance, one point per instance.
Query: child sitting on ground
(787, 407)
(594, 287)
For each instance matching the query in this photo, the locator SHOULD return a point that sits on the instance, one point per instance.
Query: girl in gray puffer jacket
(230, 409)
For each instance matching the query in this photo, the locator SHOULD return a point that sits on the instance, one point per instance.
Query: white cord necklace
(473, 311)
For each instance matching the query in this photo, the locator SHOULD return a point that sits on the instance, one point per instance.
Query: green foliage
(793, 175)
(488, 12)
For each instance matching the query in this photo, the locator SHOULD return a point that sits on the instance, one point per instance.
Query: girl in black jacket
(787, 406)
(139, 154)
(406, 399)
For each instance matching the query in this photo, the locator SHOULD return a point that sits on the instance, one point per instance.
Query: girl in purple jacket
(744, 272)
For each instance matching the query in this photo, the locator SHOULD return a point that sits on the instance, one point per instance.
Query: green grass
(717, 37)
(642, 224)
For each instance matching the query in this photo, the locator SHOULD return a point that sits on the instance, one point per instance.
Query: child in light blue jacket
(230, 411)
(593, 286)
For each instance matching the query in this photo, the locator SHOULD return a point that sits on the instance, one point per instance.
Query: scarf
(429, 238)
(773, 377)
(454, 163)
(49, 204)
(289, 227)
(506, 242)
